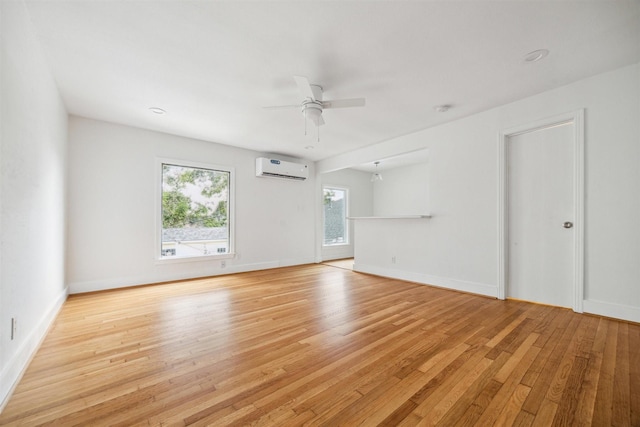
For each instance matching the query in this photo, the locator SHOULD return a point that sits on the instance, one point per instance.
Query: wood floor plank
(453, 392)
(395, 397)
(552, 360)
(442, 384)
(361, 376)
(566, 412)
(524, 419)
(325, 346)
(512, 407)
(602, 411)
(477, 396)
(512, 383)
(473, 413)
(507, 369)
(621, 414)
(498, 337)
(634, 375)
(546, 414)
(589, 385)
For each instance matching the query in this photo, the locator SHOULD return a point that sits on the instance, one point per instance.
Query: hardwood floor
(318, 345)
(346, 263)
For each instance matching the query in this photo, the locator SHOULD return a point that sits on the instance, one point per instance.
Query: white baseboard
(124, 282)
(336, 252)
(17, 364)
(616, 311)
(426, 279)
(601, 308)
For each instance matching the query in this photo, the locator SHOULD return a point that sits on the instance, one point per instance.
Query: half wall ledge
(391, 217)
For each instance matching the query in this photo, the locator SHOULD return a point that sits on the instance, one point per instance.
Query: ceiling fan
(312, 104)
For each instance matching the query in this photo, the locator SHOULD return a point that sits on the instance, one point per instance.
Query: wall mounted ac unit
(280, 169)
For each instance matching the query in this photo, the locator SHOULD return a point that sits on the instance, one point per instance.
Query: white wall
(112, 208)
(402, 191)
(33, 125)
(360, 204)
(458, 247)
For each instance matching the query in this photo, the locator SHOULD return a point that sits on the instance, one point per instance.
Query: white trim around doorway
(577, 119)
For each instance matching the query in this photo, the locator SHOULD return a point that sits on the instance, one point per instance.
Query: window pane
(195, 217)
(335, 212)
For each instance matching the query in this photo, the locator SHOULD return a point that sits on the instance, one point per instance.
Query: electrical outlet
(14, 328)
(223, 264)
(393, 259)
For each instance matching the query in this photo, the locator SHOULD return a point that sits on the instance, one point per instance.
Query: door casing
(576, 118)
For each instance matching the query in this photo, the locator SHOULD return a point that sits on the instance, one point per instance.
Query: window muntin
(195, 211)
(335, 227)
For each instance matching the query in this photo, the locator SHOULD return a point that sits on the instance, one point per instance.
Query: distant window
(168, 252)
(195, 211)
(335, 216)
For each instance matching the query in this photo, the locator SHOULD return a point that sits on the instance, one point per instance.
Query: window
(335, 216)
(195, 211)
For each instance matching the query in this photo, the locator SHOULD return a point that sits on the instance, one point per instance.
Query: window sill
(203, 258)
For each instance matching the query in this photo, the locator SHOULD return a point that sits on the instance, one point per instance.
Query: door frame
(577, 119)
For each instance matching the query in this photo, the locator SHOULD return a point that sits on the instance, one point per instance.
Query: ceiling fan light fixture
(312, 104)
(312, 111)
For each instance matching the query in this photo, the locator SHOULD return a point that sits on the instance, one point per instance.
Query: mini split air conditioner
(275, 168)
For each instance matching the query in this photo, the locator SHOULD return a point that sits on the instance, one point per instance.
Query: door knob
(567, 224)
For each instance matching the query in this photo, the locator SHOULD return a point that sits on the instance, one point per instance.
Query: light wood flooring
(319, 345)
(346, 263)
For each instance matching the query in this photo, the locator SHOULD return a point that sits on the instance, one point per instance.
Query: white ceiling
(213, 65)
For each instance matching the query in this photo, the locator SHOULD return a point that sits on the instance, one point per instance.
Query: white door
(540, 215)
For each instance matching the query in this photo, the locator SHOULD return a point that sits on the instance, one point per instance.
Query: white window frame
(346, 215)
(157, 248)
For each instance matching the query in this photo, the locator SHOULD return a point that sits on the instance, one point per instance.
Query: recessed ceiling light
(442, 108)
(157, 110)
(309, 147)
(536, 55)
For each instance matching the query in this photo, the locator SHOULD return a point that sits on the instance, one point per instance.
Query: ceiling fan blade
(304, 87)
(281, 107)
(344, 103)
